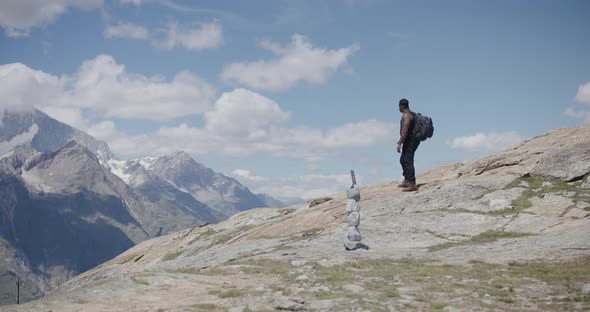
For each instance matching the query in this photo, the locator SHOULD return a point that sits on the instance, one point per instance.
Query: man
(407, 145)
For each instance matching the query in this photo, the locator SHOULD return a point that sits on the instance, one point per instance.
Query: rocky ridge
(505, 232)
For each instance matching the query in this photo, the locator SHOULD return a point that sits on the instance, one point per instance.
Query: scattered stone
(524, 184)
(302, 278)
(355, 245)
(353, 288)
(586, 183)
(240, 308)
(319, 288)
(289, 306)
(501, 199)
(298, 263)
(322, 305)
(319, 201)
(586, 289)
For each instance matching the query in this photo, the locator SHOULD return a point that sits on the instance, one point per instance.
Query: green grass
(433, 285)
(480, 239)
(231, 293)
(323, 295)
(438, 306)
(536, 189)
(205, 307)
(171, 255)
(264, 266)
(138, 280)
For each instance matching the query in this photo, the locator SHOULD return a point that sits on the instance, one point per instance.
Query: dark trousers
(407, 158)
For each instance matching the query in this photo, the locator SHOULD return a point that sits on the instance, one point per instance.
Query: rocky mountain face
(67, 205)
(506, 232)
(223, 194)
(44, 134)
(63, 213)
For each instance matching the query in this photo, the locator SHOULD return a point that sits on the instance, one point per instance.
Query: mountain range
(507, 232)
(68, 204)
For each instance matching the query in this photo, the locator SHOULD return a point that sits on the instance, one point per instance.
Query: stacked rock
(353, 211)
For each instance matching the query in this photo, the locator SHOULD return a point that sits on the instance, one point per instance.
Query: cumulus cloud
(580, 114)
(22, 87)
(23, 138)
(17, 17)
(134, 2)
(203, 36)
(486, 141)
(297, 62)
(244, 112)
(126, 30)
(106, 88)
(304, 187)
(247, 175)
(244, 123)
(582, 96)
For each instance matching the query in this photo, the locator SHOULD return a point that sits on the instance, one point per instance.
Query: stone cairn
(353, 211)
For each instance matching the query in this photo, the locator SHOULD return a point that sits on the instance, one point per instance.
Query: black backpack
(423, 127)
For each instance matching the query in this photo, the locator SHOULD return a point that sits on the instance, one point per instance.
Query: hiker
(407, 145)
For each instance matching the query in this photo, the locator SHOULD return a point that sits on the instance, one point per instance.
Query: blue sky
(287, 96)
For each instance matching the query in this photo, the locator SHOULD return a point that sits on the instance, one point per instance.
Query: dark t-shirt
(412, 125)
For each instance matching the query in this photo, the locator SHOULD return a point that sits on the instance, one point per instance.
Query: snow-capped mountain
(67, 204)
(224, 195)
(44, 134)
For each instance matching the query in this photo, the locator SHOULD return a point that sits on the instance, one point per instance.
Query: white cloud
(297, 62)
(486, 141)
(22, 87)
(134, 2)
(244, 123)
(244, 112)
(126, 30)
(583, 94)
(244, 174)
(580, 114)
(23, 138)
(305, 187)
(204, 36)
(17, 17)
(107, 89)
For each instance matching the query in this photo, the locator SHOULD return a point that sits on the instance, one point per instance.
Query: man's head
(404, 105)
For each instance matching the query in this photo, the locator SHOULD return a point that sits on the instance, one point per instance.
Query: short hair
(404, 103)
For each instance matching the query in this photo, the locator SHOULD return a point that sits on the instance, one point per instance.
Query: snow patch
(146, 161)
(119, 168)
(23, 138)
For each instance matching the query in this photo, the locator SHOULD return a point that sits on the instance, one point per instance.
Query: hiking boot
(412, 187)
(405, 183)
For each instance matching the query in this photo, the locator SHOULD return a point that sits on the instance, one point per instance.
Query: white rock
(354, 219)
(302, 278)
(353, 288)
(352, 206)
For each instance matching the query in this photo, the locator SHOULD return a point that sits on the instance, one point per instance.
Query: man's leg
(407, 160)
(403, 162)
